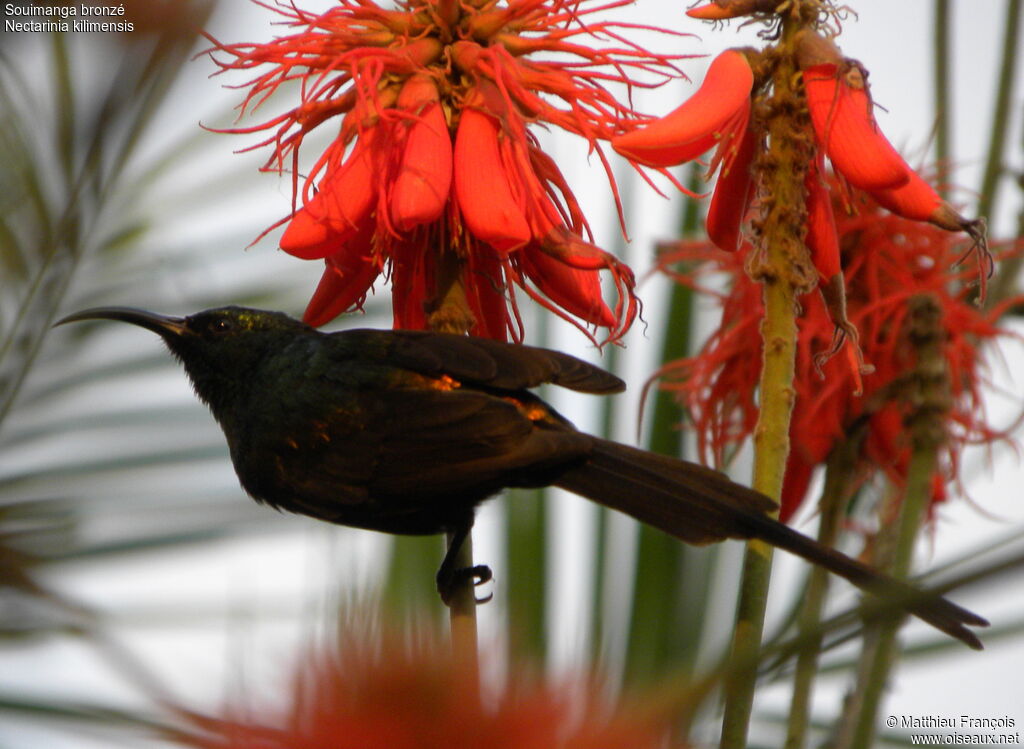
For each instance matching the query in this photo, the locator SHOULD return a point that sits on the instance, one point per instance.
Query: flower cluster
(388, 693)
(886, 261)
(433, 154)
(723, 114)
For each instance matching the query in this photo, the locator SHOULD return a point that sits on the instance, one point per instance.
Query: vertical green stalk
(526, 562)
(928, 394)
(1006, 283)
(598, 585)
(1001, 113)
(664, 627)
(839, 472)
(943, 105)
(784, 268)
(526, 557)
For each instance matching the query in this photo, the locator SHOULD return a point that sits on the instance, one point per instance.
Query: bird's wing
(461, 441)
(406, 459)
(477, 361)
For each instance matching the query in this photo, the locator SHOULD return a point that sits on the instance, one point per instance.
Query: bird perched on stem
(408, 431)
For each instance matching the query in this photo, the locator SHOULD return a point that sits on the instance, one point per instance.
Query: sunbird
(407, 432)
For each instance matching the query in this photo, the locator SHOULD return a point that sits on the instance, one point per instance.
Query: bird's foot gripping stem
(448, 582)
(450, 576)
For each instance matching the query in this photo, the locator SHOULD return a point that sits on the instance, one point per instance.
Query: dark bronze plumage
(408, 431)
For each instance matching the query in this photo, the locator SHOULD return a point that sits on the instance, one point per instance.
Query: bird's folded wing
(478, 361)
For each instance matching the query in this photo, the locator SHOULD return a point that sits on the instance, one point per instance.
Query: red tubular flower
(886, 260)
(716, 115)
(733, 193)
(488, 206)
(844, 124)
(433, 155)
(424, 179)
(721, 10)
(842, 113)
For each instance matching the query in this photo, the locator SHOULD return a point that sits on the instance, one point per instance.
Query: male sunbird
(408, 431)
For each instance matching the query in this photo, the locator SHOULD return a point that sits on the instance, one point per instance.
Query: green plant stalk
(598, 592)
(942, 90)
(1001, 114)
(526, 558)
(655, 639)
(526, 562)
(785, 270)
(1005, 284)
(885, 649)
(838, 473)
(926, 391)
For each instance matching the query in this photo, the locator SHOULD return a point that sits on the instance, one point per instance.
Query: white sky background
(893, 40)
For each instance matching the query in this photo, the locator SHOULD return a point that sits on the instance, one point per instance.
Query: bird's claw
(448, 584)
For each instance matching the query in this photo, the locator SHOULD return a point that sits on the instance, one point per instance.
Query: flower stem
(1001, 115)
(942, 89)
(839, 472)
(928, 391)
(1005, 284)
(783, 266)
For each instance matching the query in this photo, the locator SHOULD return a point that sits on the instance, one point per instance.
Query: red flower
(433, 154)
(721, 10)
(887, 260)
(842, 114)
(391, 694)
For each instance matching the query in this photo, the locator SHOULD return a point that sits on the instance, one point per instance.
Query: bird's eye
(220, 325)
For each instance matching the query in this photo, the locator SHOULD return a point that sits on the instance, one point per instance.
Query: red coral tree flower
(383, 692)
(433, 153)
(887, 260)
(722, 115)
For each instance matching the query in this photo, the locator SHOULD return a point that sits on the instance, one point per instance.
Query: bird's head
(220, 348)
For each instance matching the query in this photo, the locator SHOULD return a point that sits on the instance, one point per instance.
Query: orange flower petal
(721, 10)
(482, 187)
(421, 189)
(345, 282)
(732, 195)
(576, 291)
(331, 218)
(710, 12)
(412, 281)
(822, 238)
(841, 112)
(697, 124)
(308, 235)
(915, 200)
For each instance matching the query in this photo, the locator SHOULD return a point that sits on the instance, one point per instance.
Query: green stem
(838, 475)
(664, 626)
(1000, 116)
(928, 394)
(1005, 284)
(784, 268)
(881, 646)
(942, 90)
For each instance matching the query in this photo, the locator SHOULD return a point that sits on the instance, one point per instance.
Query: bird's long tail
(700, 505)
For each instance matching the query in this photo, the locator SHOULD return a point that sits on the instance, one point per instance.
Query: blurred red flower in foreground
(886, 261)
(433, 153)
(397, 695)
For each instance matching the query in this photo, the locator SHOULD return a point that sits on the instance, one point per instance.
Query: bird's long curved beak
(161, 324)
